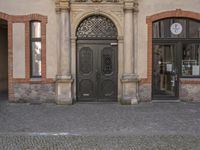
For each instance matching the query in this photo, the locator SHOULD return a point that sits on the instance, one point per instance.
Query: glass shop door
(165, 72)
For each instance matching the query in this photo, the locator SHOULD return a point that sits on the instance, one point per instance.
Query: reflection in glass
(36, 59)
(194, 29)
(190, 61)
(161, 29)
(164, 70)
(36, 29)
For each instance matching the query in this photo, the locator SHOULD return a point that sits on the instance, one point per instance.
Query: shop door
(165, 72)
(96, 70)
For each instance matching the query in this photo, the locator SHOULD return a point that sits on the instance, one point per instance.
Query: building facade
(100, 50)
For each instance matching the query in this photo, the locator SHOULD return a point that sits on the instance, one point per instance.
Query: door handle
(174, 79)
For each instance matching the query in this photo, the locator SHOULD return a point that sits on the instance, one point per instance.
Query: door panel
(86, 74)
(97, 71)
(108, 70)
(165, 72)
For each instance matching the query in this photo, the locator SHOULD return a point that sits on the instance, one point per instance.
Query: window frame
(32, 40)
(179, 42)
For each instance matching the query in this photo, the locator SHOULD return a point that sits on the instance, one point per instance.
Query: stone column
(129, 78)
(64, 78)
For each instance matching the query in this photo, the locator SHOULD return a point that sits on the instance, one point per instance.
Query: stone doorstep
(166, 101)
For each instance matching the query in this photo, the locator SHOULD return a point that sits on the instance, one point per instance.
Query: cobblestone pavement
(100, 126)
(99, 143)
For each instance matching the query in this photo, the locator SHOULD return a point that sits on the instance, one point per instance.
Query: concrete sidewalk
(159, 122)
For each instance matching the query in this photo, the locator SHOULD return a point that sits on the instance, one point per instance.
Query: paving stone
(100, 126)
(25, 142)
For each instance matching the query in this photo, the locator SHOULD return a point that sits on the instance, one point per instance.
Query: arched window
(97, 27)
(36, 49)
(183, 35)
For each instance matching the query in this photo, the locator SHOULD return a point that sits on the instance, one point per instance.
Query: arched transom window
(97, 26)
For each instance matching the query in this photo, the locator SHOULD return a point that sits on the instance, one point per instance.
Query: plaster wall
(43, 7)
(3, 60)
(18, 50)
(151, 7)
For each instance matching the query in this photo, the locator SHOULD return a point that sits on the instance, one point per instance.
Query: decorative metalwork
(107, 60)
(97, 27)
(86, 60)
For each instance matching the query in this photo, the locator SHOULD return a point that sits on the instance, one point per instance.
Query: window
(185, 35)
(36, 49)
(194, 29)
(190, 60)
(162, 29)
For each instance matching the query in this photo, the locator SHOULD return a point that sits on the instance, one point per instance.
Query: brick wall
(26, 20)
(149, 21)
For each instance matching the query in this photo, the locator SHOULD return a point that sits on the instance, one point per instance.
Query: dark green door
(97, 70)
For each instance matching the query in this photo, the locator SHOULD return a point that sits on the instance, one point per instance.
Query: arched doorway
(97, 60)
(3, 59)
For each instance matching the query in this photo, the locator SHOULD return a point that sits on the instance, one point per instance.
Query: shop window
(184, 34)
(191, 60)
(194, 29)
(36, 49)
(163, 28)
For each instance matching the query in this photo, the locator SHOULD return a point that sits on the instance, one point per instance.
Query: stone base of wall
(145, 92)
(189, 92)
(34, 93)
(42, 93)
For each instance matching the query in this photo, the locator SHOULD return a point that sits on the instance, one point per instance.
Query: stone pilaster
(64, 77)
(129, 78)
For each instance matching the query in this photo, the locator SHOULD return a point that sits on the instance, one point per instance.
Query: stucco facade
(60, 19)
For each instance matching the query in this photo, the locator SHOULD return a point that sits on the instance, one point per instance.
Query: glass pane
(162, 29)
(36, 30)
(194, 29)
(107, 60)
(36, 59)
(164, 71)
(190, 62)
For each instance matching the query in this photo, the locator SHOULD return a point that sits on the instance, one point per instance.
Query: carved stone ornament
(97, 27)
(131, 5)
(98, 1)
(62, 5)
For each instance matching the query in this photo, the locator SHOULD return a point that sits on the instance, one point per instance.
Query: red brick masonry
(162, 15)
(26, 20)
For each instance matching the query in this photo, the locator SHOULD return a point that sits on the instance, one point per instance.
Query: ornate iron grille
(107, 60)
(97, 27)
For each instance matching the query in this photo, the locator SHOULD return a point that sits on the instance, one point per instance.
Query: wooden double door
(97, 70)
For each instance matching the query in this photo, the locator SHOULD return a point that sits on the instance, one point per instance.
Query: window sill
(35, 79)
(190, 80)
